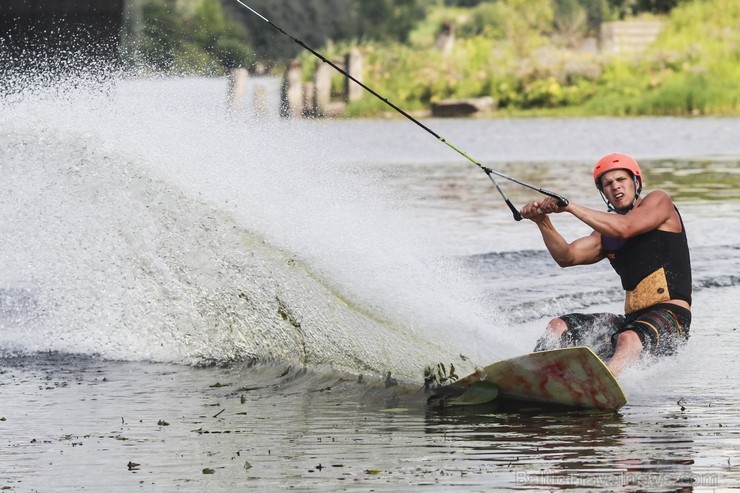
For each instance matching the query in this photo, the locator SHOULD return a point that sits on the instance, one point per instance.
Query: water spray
(562, 201)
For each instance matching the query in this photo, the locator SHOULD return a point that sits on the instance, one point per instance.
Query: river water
(196, 298)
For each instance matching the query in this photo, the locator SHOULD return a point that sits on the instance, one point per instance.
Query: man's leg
(553, 333)
(627, 351)
(582, 329)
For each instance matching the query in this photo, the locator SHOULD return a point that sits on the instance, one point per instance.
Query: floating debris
(681, 403)
(437, 375)
(390, 381)
(218, 385)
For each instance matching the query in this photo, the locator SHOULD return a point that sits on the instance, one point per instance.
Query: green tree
(526, 22)
(487, 19)
(390, 20)
(465, 3)
(599, 11)
(201, 41)
(313, 21)
(570, 21)
(655, 6)
(160, 35)
(227, 41)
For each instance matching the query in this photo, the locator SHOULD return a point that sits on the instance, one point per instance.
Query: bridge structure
(42, 33)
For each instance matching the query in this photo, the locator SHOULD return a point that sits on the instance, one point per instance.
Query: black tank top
(636, 258)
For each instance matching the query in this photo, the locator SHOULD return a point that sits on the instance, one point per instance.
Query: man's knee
(628, 350)
(556, 327)
(629, 340)
(551, 339)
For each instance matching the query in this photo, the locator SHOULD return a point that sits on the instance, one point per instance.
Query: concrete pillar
(446, 38)
(628, 36)
(309, 94)
(238, 78)
(133, 25)
(260, 98)
(322, 88)
(291, 92)
(355, 67)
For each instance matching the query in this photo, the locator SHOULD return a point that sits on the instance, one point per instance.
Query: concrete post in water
(309, 104)
(322, 88)
(291, 92)
(355, 66)
(238, 78)
(260, 97)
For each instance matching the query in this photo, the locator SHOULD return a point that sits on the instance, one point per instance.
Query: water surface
(196, 299)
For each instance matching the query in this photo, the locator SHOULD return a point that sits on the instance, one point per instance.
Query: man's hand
(533, 212)
(538, 210)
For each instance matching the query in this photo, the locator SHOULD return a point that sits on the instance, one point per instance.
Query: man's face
(618, 187)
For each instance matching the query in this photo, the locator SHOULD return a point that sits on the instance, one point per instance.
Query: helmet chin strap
(611, 208)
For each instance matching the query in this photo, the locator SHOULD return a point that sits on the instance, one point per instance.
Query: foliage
(202, 42)
(692, 69)
(486, 19)
(219, 34)
(569, 21)
(523, 53)
(655, 6)
(412, 91)
(526, 65)
(387, 19)
(315, 22)
(522, 23)
(318, 22)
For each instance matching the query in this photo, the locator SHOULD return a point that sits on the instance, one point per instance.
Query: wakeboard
(570, 377)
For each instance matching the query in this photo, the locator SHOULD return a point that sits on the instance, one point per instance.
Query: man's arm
(655, 211)
(586, 250)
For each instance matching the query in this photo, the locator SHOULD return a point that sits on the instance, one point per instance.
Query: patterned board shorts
(662, 328)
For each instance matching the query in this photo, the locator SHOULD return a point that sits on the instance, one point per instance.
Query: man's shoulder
(658, 193)
(658, 198)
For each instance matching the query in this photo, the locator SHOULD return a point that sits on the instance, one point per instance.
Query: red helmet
(617, 160)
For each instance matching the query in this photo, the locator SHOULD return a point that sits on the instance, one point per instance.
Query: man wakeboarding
(644, 239)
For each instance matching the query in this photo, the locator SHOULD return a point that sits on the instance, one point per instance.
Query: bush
(693, 67)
